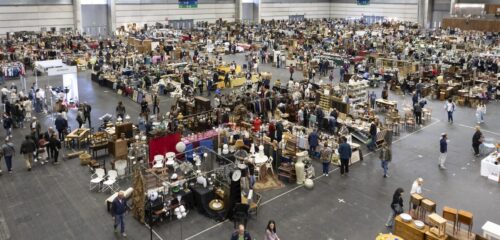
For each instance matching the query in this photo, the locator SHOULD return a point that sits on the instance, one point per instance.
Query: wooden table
(386, 103)
(78, 134)
(408, 230)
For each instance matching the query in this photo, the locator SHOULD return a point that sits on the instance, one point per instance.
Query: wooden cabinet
(408, 231)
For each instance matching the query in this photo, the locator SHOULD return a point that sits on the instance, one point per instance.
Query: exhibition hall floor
(54, 202)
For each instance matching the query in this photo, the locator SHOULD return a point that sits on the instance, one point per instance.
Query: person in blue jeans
(118, 209)
(345, 153)
(8, 151)
(313, 142)
(326, 155)
(385, 157)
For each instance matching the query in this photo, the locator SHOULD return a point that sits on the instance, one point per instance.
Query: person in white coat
(28, 108)
(480, 113)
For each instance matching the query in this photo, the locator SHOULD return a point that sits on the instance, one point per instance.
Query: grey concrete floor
(53, 202)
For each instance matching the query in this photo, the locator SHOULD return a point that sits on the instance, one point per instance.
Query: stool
(415, 201)
(465, 218)
(438, 222)
(451, 214)
(428, 207)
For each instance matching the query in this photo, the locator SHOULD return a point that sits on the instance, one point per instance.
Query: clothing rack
(13, 70)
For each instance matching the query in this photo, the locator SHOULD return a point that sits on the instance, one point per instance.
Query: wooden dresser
(408, 231)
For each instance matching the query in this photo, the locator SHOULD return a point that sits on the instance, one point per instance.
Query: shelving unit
(357, 91)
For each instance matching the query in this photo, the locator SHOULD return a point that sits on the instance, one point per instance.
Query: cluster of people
(36, 147)
(242, 234)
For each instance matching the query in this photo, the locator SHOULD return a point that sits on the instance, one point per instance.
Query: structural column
(452, 6)
(77, 16)
(111, 17)
(238, 8)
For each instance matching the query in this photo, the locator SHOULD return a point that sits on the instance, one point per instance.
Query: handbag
(397, 209)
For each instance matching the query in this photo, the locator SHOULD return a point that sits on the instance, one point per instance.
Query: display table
(386, 103)
(491, 230)
(78, 135)
(488, 166)
(408, 230)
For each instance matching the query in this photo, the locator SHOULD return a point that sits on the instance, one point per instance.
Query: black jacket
(476, 138)
(28, 146)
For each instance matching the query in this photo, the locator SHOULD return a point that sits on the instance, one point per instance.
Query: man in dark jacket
(443, 150)
(313, 142)
(279, 131)
(86, 114)
(345, 154)
(241, 234)
(61, 126)
(28, 147)
(385, 157)
(54, 146)
(417, 111)
(373, 133)
(477, 139)
(118, 209)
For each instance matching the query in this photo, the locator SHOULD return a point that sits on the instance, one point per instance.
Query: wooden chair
(451, 214)
(466, 218)
(428, 207)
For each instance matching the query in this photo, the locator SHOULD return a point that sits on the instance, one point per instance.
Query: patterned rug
(270, 182)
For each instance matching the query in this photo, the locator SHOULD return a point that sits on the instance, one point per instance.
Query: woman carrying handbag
(396, 206)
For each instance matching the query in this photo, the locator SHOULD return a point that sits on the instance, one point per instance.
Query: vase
(300, 167)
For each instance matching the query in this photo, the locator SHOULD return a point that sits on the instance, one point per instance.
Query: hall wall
(32, 15)
(282, 9)
(152, 11)
(406, 10)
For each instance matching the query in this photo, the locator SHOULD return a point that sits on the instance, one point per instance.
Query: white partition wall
(282, 9)
(150, 12)
(33, 17)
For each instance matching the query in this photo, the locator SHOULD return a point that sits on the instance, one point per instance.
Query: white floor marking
(482, 130)
(156, 234)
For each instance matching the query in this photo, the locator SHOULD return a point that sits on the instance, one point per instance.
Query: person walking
(156, 104)
(118, 209)
(373, 133)
(396, 206)
(241, 234)
(417, 111)
(480, 112)
(7, 124)
(55, 147)
(450, 108)
(443, 149)
(42, 149)
(86, 114)
(209, 86)
(271, 231)
(120, 110)
(326, 156)
(291, 70)
(28, 147)
(61, 126)
(373, 99)
(8, 151)
(385, 157)
(345, 153)
(477, 140)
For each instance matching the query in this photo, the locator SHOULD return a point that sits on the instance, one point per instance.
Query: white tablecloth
(488, 166)
(491, 230)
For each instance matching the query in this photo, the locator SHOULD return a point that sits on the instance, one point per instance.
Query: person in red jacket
(256, 124)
